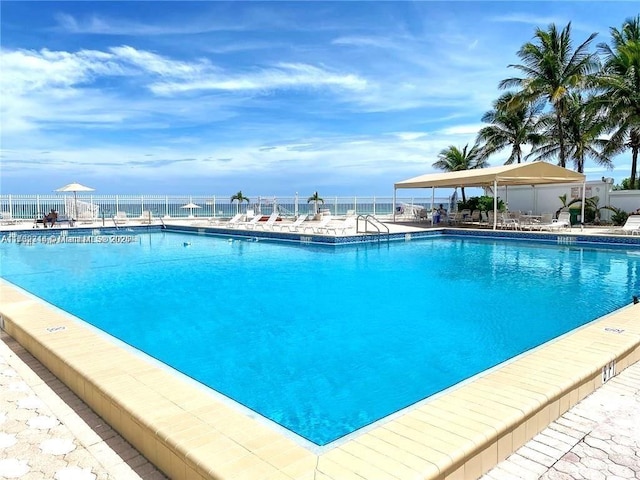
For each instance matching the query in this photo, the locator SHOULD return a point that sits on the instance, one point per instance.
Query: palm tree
(584, 127)
(316, 199)
(620, 81)
(552, 69)
(452, 159)
(239, 197)
(512, 124)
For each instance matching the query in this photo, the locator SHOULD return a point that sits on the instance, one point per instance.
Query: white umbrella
(75, 188)
(191, 206)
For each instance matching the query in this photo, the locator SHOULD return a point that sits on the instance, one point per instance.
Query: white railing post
(166, 206)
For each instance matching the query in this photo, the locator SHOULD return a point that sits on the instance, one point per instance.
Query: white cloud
(529, 19)
(464, 130)
(367, 42)
(101, 25)
(408, 136)
(386, 154)
(282, 76)
(25, 70)
(57, 89)
(158, 65)
(29, 70)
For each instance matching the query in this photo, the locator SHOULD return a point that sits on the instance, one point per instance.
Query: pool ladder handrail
(374, 222)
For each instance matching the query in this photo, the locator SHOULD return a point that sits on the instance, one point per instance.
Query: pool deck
(188, 433)
(332, 230)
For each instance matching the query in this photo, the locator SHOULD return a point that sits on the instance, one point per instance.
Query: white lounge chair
(423, 215)
(534, 222)
(295, 225)
(563, 221)
(85, 217)
(452, 218)
(269, 223)
(7, 218)
(509, 221)
(473, 217)
(631, 226)
(250, 224)
(347, 224)
(146, 217)
(120, 218)
(232, 221)
(326, 219)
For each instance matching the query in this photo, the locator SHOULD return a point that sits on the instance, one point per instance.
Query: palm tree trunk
(464, 198)
(635, 146)
(562, 161)
(634, 167)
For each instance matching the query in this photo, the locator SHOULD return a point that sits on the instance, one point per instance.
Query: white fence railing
(174, 206)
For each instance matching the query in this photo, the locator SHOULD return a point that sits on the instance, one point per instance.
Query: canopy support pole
(584, 194)
(393, 205)
(495, 204)
(506, 197)
(433, 196)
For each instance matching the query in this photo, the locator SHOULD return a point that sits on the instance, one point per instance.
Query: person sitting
(439, 214)
(50, 217)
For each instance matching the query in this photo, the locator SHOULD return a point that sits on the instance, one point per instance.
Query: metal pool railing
(176, 206)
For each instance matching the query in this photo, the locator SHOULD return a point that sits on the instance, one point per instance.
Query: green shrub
(471, 204)
(619, 216)
(483, 203)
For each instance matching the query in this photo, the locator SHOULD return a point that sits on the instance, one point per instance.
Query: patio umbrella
(191, 206)
(75, 188)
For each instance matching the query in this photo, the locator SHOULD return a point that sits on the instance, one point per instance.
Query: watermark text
(24, 239)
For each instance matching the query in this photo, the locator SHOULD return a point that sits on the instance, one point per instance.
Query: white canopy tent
(533, 173)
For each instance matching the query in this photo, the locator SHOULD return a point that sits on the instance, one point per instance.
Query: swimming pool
(324, 340)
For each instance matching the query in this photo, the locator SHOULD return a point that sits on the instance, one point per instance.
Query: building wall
(545, 198)
(627, 200)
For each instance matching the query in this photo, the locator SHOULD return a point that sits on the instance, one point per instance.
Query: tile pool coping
(561, 237)
(567, 237)
(190, 434)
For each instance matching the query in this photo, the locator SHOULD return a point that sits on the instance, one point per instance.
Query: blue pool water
(325, 340)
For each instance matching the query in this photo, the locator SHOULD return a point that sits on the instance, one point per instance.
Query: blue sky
(270, 98)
